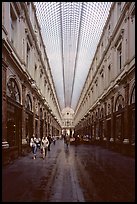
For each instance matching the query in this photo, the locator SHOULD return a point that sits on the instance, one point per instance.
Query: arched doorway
(14, 119)
(132, 117)
(119, 119)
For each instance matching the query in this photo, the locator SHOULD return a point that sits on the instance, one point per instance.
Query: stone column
(44, 123)
(51, 128)
(4, 105)
(23, 113)
(112, 120)
(47, 122)
(38, 131)
(126, 115)
(34, 110)
(50, 125)
(105, 121)
(105, 125)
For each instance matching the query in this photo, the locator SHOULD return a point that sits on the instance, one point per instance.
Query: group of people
(43, 144)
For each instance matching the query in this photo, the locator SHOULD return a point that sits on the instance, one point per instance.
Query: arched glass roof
(71, 32)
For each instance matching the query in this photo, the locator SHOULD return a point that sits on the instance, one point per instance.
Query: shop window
(11, 126)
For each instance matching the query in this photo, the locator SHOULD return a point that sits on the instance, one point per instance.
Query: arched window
(13, 90)
(28, 103)
(119, 103)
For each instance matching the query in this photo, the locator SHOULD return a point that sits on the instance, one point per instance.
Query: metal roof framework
(71, 32)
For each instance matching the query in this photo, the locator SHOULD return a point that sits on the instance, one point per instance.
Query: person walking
(67, 140)
(38, 142)
(44, 146)
(54, 140)
(50, 141)
(33, 145)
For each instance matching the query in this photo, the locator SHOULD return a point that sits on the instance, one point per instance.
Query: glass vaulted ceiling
(71, 32)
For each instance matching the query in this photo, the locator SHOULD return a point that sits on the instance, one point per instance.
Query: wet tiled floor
(78, 174)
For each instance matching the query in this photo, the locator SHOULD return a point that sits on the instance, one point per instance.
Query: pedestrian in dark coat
(50, 140)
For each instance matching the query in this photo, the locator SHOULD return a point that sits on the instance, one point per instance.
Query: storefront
(14, 120)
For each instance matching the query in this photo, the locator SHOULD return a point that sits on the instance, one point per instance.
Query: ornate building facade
(29, 105)
(106, 107)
